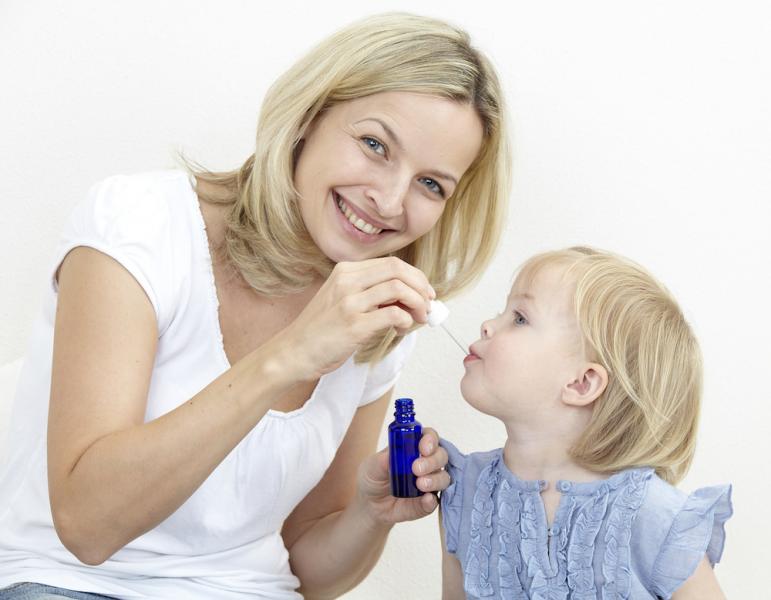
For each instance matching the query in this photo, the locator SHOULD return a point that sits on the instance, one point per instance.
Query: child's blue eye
(519, 318)
(374, 145)
(432, 185)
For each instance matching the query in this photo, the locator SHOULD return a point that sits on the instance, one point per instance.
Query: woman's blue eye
(433, 186)
(374, 145)
(519, 318)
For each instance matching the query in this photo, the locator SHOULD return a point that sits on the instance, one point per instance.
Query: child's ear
(589, 383)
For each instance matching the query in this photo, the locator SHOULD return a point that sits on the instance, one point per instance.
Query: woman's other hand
(374, 483)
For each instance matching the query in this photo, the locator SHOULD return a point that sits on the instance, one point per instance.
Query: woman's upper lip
(362, 215)
(473, 352)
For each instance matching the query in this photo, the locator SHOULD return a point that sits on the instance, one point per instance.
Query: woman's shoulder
(673, 530)
(147, 222)
(153, 191)
(141, 207)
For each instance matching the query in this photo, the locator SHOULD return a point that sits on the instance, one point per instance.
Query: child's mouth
(471, 357)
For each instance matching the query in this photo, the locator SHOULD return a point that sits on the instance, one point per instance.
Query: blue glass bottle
(403, 438)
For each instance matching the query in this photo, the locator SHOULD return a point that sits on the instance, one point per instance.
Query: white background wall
(641, 127)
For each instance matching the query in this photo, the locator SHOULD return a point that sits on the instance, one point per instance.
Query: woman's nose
(389, 205)
(389, 198)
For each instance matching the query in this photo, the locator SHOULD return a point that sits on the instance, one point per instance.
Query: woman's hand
(374, 483)
(357, 301)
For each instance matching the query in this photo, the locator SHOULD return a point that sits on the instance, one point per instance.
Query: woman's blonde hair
(266, 239)
(631, 325)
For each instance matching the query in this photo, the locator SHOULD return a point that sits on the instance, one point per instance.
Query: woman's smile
(360, 220)
(356, 225)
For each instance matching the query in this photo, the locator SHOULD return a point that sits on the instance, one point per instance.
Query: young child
(597, 377)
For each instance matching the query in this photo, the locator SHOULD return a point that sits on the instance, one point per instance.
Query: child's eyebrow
(528, 298)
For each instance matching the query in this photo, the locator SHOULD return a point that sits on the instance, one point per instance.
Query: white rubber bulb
(438, 313)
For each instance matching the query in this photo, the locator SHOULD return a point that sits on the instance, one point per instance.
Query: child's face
(529, 352)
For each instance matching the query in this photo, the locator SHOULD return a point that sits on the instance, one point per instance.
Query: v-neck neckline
(214, 311)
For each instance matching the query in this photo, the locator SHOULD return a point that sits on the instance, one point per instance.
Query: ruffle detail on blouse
(617, 559)
(509, 560)
(697, 529)
(549, 580)
(452, 496)
(500, 532)
(476, 580)
(581, 550)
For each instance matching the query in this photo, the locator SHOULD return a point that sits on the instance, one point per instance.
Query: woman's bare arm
(337, 533)
(347, 562)
(113, 477)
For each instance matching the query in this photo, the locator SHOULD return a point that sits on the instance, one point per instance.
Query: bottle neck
(406, 417)
(405, 411)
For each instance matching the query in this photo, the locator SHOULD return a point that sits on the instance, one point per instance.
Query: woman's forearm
(338, 552)
(127, 482)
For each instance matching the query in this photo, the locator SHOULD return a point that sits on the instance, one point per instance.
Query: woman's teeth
(358, 223)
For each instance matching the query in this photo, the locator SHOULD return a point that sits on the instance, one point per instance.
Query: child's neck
(534, 453)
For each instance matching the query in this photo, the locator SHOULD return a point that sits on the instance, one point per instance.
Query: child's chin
(476, 401)
(488, 406)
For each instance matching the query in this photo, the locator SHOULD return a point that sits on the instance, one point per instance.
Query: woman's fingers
(429, 468)
(432, 456)
(436, 482)
(429, 442)
(383, 318)
(429, 502)
(359, 276)
(356, 302)
(429, 465)
(394, 292)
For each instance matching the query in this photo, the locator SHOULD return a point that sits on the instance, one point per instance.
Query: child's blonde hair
(266, 238)
(631, 325)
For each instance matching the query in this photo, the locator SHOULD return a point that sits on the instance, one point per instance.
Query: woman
(223, 347)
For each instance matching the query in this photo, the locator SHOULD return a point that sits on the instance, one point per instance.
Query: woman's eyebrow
(388, 130)
(442, 175)
(390, 133)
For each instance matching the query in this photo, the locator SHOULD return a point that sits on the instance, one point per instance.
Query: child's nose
(486, 329)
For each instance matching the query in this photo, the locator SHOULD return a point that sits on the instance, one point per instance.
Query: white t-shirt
(224, 541)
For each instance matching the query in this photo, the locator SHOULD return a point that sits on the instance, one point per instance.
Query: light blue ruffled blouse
(629, 536)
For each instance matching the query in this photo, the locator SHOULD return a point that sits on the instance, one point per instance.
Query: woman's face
(374, 173)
